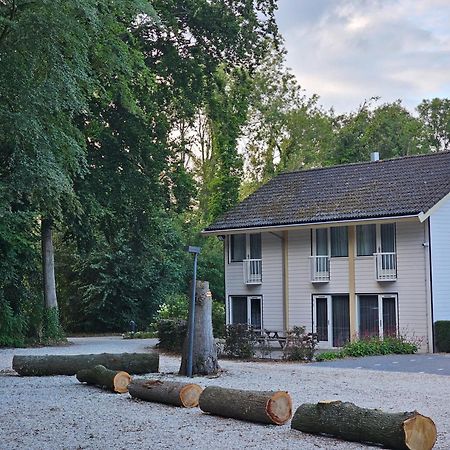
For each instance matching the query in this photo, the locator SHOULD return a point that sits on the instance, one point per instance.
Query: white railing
(252, 271)
(385, 266)
(320, 269)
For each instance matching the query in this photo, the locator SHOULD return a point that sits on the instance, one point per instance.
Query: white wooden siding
(440, 261)
(271, 288)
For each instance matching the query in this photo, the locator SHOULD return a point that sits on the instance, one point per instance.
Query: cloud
(349, 50)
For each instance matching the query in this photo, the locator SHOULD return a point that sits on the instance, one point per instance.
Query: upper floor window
(331, 241)
(245, 246)
(373, 238)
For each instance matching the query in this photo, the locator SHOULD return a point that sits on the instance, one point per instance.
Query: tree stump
(204, 360)
(133, 363)
(169, 392)
(403, 431)
(113, 380)
(254, 406)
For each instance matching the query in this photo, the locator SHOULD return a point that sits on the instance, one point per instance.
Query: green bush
(442, 335)
(171, 334)
(371, 347)
(140, 335)
(300, 346)
(240, 341)
(218, 319)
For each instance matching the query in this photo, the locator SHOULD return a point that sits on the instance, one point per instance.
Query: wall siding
(440, 261)
(410, 285)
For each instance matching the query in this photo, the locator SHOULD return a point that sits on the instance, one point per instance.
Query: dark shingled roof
(394, 187)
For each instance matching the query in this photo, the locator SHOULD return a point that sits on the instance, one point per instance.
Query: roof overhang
(424, 216)
(285, 227)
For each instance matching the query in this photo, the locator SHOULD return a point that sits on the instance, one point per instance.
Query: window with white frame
(331, 242)
(246, 309)
(373, 238)
(244, 246)
(377, 315)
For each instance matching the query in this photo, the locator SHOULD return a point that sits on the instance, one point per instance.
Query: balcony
(385, 266)
(320, 269)
(252, 271)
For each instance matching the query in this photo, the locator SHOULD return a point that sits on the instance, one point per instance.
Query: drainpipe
(285, 244)
(429, 286)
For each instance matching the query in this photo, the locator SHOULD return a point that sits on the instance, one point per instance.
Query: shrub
(300, 346)
(442, 335)
(171, 334)
(373, 346)
(240, 341)
(140, 335)
(218, 319)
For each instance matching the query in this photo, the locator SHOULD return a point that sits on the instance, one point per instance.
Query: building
(352, 250)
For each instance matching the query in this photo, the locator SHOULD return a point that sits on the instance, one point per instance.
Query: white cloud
(347, 50)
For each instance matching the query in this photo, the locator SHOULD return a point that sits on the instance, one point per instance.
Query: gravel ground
(59, 413)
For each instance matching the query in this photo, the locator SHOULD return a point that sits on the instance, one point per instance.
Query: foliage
(171, 334)
(52, 331)
(442, 335)
(435, 114)
(218, 319)
(240, 341)
(300, 346)
(373, 346)
(140, 335)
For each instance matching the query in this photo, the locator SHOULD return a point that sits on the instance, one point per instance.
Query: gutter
(307, 224)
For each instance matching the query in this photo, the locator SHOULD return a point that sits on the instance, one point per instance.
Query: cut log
(169, 392)
(204, 360)
(113, 380)
(133, 363)
(403, 431)
(254, 406)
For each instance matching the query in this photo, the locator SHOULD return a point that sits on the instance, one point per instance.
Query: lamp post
(195, 251)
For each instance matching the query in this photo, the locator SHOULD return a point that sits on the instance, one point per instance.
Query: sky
(347, 51)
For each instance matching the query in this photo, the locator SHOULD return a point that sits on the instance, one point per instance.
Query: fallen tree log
(407, 430)
(113, 380)
(169, 392)
(133, 363)
(255, 406)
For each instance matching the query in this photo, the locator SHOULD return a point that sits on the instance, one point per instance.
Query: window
(245, 246)
(331, 241)
(377, 315)
(366, 240)
(247, 310)
(370, 238)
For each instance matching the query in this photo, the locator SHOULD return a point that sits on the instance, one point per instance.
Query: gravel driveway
(60, 413)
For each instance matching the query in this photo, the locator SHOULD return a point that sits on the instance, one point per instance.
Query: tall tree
(435, 114)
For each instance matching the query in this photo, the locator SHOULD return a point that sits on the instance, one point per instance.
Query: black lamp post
(195, 251)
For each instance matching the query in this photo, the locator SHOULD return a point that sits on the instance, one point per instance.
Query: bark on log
(133, 363)
(407, 430)
(204, 360)
(169, 392)
(254, 406)
(113, 380)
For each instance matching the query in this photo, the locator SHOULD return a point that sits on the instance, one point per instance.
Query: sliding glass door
(377, 316)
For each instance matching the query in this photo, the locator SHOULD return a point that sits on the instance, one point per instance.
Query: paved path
(438, 364)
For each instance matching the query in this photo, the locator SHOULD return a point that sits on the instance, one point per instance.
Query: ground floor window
(245, 309)
(377, 315)
(331, 319)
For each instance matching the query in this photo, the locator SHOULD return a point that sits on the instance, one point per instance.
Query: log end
(279, 407)
(190, 394)
(121, 382)
(420, 432)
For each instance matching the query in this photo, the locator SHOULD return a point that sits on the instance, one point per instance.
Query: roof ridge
(362, 163)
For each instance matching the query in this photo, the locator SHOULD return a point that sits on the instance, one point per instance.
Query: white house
(353, 250)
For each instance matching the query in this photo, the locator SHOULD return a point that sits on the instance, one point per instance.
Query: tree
(435, 114)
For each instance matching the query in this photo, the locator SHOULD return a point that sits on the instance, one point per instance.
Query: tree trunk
(134, 363)
(264, 407)
(407, 430)
(204, 360)
(116, 381)
(48, 264)
(170, 392)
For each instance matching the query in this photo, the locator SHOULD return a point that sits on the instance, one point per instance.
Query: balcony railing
(252, 271)
(385, 266)
(320, 269)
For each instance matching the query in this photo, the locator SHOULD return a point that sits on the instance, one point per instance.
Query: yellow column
(285, 281)
(351, 279)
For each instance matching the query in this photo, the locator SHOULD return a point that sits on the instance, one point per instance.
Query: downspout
(429, 287)
(285, 244)
(351, 280)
